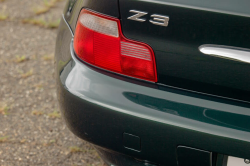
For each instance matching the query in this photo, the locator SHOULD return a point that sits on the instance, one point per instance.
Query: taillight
(99, 41)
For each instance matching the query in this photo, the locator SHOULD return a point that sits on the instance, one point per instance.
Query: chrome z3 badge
(156, 18)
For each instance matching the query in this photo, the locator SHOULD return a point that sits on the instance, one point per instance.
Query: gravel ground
(31, 129)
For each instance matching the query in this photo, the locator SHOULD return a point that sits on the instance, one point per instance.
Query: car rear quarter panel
(99, 107)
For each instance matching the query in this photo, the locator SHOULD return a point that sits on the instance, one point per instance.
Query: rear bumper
(100, 108)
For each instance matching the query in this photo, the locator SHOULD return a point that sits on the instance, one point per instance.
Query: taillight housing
(99, 41)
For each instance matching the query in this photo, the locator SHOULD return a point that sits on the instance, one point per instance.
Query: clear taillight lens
(99, 41)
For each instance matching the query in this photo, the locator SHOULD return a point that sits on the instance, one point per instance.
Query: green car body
(196, 114)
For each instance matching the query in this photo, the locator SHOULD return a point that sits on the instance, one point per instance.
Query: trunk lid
(193, 23)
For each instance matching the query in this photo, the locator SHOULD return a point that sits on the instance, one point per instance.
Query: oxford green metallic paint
(99, 107)
(232, 7)
(193, 157)
(226, 119)
(194, 23)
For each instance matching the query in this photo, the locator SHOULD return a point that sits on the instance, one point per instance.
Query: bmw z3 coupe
(157, 82)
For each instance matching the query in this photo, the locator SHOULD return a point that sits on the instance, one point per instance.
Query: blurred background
(32, 131)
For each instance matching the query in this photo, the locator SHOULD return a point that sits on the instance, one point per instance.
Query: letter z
(137, 16)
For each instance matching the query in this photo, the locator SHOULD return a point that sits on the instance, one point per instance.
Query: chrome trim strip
(232, 53)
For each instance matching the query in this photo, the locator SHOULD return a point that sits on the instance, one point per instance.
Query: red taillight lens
(99, 41)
